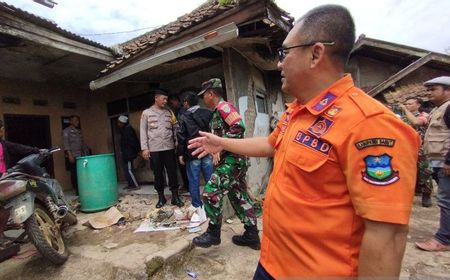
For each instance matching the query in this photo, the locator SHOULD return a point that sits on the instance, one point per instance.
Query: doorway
(30, 130)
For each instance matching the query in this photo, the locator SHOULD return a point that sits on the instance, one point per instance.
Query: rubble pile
(134, 207)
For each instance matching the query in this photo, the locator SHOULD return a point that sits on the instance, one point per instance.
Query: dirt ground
(117, 252)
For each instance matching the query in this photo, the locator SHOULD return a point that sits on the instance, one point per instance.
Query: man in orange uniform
(341, 190)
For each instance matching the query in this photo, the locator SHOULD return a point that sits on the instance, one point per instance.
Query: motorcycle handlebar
(54, 150)
(50, 151)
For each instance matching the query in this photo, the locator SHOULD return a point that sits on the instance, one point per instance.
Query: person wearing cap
(11, 152)
(229, 175)
(437, 149)
(340, 194)
(74, 146)
(158, 142)
(129, 149)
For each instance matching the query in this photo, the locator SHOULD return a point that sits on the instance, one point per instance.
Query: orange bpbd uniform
(339, 159)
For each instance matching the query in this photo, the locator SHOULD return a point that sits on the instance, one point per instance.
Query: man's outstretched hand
(206, 144)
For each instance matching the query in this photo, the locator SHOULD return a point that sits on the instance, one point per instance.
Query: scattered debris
(133, 207)
(195, 229)
(180, 215)
(168, 219)
(192, 274)
(159, 215)
(108, 218)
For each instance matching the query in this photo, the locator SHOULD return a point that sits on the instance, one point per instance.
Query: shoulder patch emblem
(379, 171)
(333, 111)
(228, 113)
(324, 101)
(226, 108)
(385, 142)
(320, 126)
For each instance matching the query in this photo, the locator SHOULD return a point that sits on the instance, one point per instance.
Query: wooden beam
(275, 17)
(389, 47)
(245, 42)
(253, 58)
(206, 40)
(401, 74)
(232, 95)
(31, 32)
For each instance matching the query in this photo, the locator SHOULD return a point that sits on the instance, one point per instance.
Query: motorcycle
(31, 200)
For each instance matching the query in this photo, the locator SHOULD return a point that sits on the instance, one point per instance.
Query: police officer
(229, 176)
(74, 147)
(158, 127)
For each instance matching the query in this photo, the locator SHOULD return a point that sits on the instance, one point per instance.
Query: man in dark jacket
(129, 148)
(195, 119)
(178, 109)
(10, 149)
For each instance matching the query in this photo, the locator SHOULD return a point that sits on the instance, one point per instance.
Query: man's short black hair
(158, 92)
(74, 116)
(417, 99)
(191, 98)
(330, 23)
(1, 123)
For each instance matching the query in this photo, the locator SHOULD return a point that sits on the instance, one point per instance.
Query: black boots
(426, 200)
(161, 200)
(210, 237)
(250, 238)
(176, 199)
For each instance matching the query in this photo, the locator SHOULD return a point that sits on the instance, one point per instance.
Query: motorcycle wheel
(46, 235)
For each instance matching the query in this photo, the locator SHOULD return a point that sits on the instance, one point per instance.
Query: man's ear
(317, 54)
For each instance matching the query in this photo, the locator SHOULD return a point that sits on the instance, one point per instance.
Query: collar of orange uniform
(290, 107)
(327, 97)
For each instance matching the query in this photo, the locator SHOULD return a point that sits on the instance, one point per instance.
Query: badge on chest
(313, 142)
(320, 126)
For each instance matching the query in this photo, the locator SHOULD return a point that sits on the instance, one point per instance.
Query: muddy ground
(118, 253)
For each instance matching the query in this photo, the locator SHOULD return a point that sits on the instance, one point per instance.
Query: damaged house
(44, 78)
(235, 42)
(49, 74)
(392, 72)
(46, 73)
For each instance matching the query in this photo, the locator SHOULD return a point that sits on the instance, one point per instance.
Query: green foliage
(225, 2)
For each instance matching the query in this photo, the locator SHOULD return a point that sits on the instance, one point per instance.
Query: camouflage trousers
(228, 179)
(424, 171)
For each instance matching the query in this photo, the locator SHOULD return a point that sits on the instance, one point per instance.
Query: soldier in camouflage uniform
(229, 176)
(419, 120)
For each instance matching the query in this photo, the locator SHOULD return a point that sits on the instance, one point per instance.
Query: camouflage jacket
(226, 122)
(421, 129)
